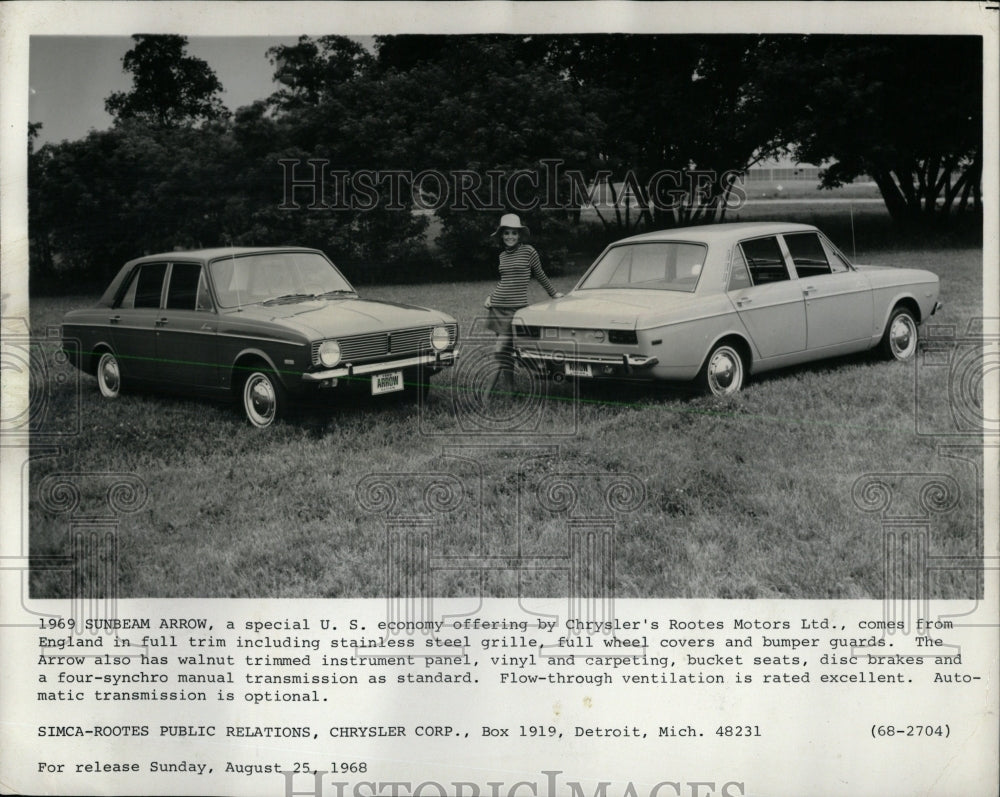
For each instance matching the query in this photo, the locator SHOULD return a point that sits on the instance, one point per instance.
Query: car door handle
(160, 322)
(808, 289)
(743, 300)
(207, 328)
(114, 319)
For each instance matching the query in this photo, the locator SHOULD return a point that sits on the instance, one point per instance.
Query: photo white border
(20, 20)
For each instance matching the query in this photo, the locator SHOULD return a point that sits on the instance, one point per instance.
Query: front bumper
(441, 359)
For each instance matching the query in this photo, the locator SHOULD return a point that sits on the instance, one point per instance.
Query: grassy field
(750, 497)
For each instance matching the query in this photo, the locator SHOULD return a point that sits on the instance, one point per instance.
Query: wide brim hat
(510, 221)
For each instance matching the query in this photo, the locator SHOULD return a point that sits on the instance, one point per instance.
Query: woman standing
(519, 262)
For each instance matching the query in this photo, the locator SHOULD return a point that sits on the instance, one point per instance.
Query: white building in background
(782, 171)
(787, 170)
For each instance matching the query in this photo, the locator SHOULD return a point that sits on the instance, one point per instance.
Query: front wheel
(900, 339)
(724, 371)
(109, 375)
(264, 399)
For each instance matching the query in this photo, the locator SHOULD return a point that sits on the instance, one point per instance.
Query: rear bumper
(440, 359)
(557, 359)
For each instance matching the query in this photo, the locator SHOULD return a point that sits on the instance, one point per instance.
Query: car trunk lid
(602, 309)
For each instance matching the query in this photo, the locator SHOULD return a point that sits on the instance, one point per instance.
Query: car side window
(837, 263)
(145, 287)
(183, 291)
(765, 260)
(807, 253)
(739, 276)
(204, 300)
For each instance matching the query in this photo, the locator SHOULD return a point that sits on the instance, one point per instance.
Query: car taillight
(622, 336)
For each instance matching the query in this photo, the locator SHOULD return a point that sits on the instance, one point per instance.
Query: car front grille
(385, 345)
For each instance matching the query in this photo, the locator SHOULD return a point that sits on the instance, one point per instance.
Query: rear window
(657, 265)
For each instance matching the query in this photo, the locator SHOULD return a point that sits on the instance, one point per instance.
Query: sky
(71, 76)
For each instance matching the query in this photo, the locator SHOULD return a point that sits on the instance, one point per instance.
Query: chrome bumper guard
(937, 306)
(442, 358)
(558, 358)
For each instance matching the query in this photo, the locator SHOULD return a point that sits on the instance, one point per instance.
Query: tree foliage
(674, 103)
(489, 112)
(169, 87)
(312, 70)
(905, 110)
(484, 107)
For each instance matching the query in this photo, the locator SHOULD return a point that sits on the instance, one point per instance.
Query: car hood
(622, 308)
(336, 318)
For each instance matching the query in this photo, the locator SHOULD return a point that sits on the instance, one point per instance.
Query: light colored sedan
(720, 302)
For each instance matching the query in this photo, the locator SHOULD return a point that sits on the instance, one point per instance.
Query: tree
(481, 111)
(312, 69)
(127, 191)
(41, 256)
(674, 104)
(169, 87)
(905, 110)
(469, 107)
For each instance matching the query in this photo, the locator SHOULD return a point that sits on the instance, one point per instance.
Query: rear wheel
(900, 339)
(109, 375)
(264, 399)
(724, 371)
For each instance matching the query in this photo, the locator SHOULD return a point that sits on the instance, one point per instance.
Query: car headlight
(329, 353)
(440, 339)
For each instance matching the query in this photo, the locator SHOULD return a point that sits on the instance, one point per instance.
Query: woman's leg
(502, 384)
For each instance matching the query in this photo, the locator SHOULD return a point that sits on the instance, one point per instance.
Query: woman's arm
(539, 275)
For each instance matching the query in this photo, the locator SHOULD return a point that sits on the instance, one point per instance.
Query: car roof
(204, 255)
(720, 233)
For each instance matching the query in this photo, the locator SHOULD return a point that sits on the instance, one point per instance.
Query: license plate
(578, 369)
(387, 383)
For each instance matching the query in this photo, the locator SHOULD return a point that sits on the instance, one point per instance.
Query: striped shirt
(517, 267)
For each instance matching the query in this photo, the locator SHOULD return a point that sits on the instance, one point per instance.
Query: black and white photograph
(714, 297)
(554, 363)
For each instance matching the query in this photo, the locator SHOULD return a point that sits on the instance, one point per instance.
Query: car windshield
(276, 277)
(656, 265)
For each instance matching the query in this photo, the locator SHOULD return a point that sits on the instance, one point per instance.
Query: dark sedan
(263, 325)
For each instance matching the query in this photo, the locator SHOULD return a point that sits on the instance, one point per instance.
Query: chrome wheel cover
(725, 371)
(109, 377)
(903, 337)
(260, 400)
